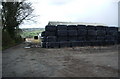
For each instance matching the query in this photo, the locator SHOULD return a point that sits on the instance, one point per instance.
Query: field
(31, 32)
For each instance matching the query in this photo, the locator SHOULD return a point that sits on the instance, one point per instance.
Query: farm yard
(60, 38)
(87, 61)
(54, 57)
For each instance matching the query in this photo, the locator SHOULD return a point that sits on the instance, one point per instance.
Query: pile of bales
(118, 37)
(78, 35)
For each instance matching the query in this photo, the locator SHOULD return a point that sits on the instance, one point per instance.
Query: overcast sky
(88, 11)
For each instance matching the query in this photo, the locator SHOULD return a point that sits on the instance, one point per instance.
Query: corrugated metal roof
(73, 23)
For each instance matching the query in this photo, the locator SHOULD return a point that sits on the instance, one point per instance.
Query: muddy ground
(60, 62)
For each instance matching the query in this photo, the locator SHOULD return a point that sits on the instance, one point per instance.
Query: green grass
(31, 34)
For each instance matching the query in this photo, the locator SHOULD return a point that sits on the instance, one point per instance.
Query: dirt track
(63, 62)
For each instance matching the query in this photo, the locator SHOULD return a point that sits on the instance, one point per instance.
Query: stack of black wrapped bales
(58, 36)
(118, 37)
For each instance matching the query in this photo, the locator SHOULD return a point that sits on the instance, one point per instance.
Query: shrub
(7, 41)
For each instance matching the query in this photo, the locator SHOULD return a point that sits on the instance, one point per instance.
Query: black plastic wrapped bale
(101, 38)
(91, 32)
(90, 27)
(107, 28)
(56, 45)
(72, 38)
(49, 45)
(82, 32)
(101, 32)
(24, 39)
(44, 39)
(50, 33)
(115, 33)
(109, 37)
(109, 32)
(92, 43)
(100, 27)
(82, 43)
(77, 43)
(109, 40)
(52, 45)
(81, 27)
(36, 37)
(51, 39)
(118, 38)
(72, 27)
(72, 33)
(61, 27)
(112, 32)
(91, 38)
(98, 43)
(88, 43)
(65, 44)
(50, 28)
(43, 44)
(113, 28)
(43, 34)
(81, 38)
(59, 39)
(62, 33)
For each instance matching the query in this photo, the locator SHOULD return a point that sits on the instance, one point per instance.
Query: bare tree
(13, 14)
